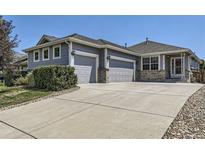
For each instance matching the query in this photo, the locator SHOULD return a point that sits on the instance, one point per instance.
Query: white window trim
(36, 51)
(57, 46)
(158, 56)
(43, 53)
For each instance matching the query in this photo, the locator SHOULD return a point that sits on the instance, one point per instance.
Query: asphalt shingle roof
(152, 47)
(51, 38)
(96, 41)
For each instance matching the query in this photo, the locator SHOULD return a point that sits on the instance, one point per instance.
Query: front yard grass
(16, 95)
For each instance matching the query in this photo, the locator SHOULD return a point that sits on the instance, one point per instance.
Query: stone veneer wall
(103, 75)
(153, 75)
(137, 75)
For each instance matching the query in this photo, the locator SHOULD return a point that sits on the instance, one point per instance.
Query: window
(56, 52)
(154, 63)
(46, 54)
(36, 56)
(150, 63)
(146, 63)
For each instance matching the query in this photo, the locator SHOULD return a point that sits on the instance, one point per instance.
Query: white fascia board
(84, 42)
(122, 59)
(165, 52)
(82, 53)
(70, 39)
(194, 56)
(103, 46)
(44, 45)
(120, 49)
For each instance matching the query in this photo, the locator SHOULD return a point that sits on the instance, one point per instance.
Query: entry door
(176, 67)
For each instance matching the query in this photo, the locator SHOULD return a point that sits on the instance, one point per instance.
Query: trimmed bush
(55, 77)
(21, 81)
(9, 78)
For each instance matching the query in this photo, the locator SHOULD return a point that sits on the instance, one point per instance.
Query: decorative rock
(190, 121)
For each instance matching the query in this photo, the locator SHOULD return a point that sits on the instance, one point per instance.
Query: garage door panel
(121, 64)
(85, 68)
(121, 71)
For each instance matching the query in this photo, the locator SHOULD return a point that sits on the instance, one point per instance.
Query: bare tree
(7, 44)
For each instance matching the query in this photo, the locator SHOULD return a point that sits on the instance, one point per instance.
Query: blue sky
(184, 31)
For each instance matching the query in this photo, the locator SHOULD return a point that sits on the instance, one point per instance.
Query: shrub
(8, 77)
(1, 83)
(55, 77)
(30, 77)
(21, 81)
(18, 74)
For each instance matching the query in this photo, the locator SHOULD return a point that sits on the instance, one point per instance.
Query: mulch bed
(190, 121)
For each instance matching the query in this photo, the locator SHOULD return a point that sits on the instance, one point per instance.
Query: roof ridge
(157, 43)
(46, 35)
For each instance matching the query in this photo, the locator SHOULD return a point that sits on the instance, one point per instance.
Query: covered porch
(176, 66)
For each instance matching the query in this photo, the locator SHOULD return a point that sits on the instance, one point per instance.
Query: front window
(56, 52)
(36, 56)
(150, 63)
(146, 63)
(46, 54)
(154, 63)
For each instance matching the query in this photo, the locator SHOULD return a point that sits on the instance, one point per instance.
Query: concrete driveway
(115, 110)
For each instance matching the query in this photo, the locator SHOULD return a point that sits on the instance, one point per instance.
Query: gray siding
(62, 61)
(121, 64)
(89, 49)
(123, 55)
(120, 54)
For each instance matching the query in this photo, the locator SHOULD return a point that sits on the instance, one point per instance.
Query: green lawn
(16, 95)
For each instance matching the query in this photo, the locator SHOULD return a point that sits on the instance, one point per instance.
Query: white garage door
(85, 68)
(121, 71)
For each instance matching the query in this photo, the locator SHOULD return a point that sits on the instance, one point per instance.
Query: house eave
(164, 52)
(71, 39)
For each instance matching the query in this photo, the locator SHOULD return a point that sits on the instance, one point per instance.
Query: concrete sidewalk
(115, 110)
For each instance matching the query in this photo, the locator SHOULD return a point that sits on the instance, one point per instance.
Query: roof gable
(45, 39)
(152, 47)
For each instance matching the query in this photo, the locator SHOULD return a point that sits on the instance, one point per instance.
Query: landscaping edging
(53, 94)
(190, 121)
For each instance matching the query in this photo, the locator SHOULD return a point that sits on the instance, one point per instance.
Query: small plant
(1, 83)
(31, 82)
(8, 77)
(21, 81)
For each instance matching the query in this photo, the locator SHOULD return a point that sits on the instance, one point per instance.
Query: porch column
(71, 57)
(184, 70)
(106, 61)
(183, 65)
(163, 63)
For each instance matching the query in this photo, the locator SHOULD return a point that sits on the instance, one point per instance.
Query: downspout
(68, 52)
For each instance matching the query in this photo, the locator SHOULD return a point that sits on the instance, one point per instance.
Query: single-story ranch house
(104, 61)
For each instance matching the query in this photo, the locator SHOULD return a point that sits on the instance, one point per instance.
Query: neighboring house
(21, 64)
(104, 61)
